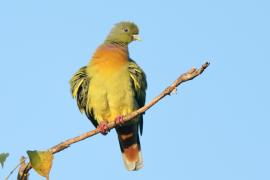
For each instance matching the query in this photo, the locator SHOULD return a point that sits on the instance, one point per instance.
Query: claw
(119, 120)
(103, 128)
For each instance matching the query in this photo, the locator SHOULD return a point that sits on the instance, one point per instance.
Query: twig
(191, 74)
(22, 161)
(23, 166)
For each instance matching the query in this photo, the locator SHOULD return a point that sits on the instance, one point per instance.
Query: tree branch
(191, 74)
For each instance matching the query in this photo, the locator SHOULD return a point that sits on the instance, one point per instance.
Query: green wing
(79, 85)
(138, 79)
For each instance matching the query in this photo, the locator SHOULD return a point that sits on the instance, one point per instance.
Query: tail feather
(130, 146)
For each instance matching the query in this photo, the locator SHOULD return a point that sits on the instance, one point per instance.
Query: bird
(111, 86)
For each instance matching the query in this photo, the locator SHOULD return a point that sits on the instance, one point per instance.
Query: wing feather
(79, 85)
(139, 83)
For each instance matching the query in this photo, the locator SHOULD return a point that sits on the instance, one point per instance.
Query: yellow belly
(111, 96)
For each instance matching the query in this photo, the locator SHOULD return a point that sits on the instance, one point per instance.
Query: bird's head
(123, 33)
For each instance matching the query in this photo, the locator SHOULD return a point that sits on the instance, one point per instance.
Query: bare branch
(191, 74)
(23, 171)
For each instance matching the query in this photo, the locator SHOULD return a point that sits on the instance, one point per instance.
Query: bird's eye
(125, 29)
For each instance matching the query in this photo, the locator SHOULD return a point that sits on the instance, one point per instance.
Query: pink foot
(119, 120)
(103, 128)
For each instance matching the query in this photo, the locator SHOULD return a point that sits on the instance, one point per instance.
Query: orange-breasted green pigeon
(111, 86)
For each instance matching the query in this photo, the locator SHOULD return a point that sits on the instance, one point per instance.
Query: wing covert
(139, 83)
(79, 85)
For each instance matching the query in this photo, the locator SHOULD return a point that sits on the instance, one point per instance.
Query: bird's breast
(110, 90)
(108, 59)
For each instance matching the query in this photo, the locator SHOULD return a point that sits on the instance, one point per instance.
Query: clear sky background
(216, 127)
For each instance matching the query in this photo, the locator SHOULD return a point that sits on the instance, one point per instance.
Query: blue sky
(216, 127)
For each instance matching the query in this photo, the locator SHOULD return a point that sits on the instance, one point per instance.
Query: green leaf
(41, 162)
(3, 157)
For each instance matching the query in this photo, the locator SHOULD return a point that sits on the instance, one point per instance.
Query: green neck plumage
(111, 41)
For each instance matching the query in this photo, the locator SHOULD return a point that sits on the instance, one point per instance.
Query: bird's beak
(136, 37)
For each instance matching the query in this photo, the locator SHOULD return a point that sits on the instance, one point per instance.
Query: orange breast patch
(109, 58)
